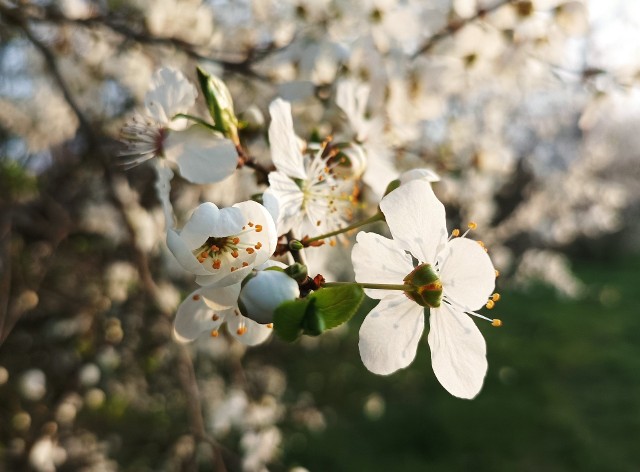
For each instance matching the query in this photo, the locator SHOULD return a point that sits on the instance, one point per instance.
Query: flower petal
(379, 260)
(209, 221)
(458, 351)
(289, 197)
(285, 149)
(202, 156)
(182, 252)
(467, 274)
(416, 219)
(255, 333)
(224, 277)
(419, 174)
(221, 298)
(170, 93)
(262, 235)
(389, 334)
(193, 318)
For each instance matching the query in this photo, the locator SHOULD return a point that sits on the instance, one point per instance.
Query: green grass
(562, 392)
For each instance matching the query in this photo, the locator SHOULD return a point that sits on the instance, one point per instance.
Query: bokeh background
(529, 111)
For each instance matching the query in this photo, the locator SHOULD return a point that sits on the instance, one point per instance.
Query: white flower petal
(221, 298)
(289, 198)
(416, 219)
(389, 334)
(419, 174)
(263, 232)
(255, 333)
(379, 260)
(170, 93)
(193, 318)
(285, 150)
(183, 254)
(224, 277)
(458, 351)
(202, 156)
(467, 274)
(201, 224)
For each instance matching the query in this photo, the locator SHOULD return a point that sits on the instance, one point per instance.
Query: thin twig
(454, 26)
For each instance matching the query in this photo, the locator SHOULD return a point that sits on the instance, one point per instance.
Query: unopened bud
(295, 245)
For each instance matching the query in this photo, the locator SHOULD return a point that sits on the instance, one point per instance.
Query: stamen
(495, 297)
(245, 264)
(235, 254)
(490, 304)
(270, 325)
(497, 273)
(250, 250)
(215, 317)
(235, 240)
(250, 224)
(233, 269)
(241, 330)
(258, 245)
(496, 323)
(216, 263)
(196, 297)
(258, 228)
(455, 233)
(214, 333)
(472, 225)
(480, 243)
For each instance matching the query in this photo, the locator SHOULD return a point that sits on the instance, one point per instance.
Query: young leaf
(336, 305)
(288, 317)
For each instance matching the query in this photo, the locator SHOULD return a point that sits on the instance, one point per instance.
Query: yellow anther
(480, 243)
(250, 250)
(234, 253)
(258, 245)
(245, 264)
(216, 263)
(241, 330)
(455, 233)
(497, 273)
(490, 304)
(235, 240)
(497, 323)
(270, 325)
(472, 225)
(495, 297)
(215, 317)
(214, 333)
(250, 224)
(258, 228)
(332, 243)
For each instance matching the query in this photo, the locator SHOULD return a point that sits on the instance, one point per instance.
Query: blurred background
(528, 110)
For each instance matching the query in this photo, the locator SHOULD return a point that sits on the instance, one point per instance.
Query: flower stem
(403, 287)
(372, 219)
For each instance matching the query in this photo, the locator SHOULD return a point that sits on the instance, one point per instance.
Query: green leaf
(324, 309)
(336, 305)
(288, 317)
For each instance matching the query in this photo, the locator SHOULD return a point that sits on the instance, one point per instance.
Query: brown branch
(454, 26)
(139, 256)
(243, 66)
(189, 383)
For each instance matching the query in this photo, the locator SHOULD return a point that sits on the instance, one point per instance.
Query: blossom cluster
(247, 258)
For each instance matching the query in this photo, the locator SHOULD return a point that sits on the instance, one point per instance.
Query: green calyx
(428, 288)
